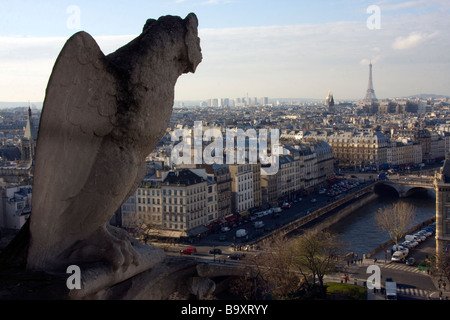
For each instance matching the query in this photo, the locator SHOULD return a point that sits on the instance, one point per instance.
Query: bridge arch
(416, 191)
(384, 189)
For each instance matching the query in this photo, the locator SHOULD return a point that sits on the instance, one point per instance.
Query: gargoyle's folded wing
(79, 110)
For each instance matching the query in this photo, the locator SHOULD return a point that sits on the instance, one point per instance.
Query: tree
(395, 219)
(316, 253)
(269, 273)
(287, 266)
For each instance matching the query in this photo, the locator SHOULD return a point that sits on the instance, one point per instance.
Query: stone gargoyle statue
(102, 116)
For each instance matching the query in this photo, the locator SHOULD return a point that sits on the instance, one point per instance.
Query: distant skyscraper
(370, 94)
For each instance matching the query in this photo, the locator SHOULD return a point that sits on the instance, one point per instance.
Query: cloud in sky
(389, 6)
(411, 41)
(294, 60)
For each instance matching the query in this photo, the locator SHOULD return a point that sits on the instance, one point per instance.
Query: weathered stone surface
(202, 288)
(102, 116)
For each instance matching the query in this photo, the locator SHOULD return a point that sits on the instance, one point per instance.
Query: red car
(189, 250)
(286, 206)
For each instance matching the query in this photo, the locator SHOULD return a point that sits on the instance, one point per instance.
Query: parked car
(400, 248)
(398, 256)
(419, 237)
(215, 251)
(410, 244)
(426, 233)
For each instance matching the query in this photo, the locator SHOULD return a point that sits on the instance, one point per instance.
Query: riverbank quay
(324, 216)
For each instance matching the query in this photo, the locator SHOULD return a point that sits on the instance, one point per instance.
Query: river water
(358, 232)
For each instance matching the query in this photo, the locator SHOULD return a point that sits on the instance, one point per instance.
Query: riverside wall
(325, 216)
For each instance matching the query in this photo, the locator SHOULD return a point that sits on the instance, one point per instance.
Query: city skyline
(282, 49)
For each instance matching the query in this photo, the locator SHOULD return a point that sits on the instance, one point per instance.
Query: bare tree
(316, 253)
(278, 269)
(395, 219)
(287, 266)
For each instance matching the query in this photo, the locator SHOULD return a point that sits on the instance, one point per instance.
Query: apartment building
(325, 162)
(15, 206)
(288, 176)
(241, 187)
(257, 196)
(222, 176)
(176, 201)
(354, 148)
(269, 189)
(212, 194)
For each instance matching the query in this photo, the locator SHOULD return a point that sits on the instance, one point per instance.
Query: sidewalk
(443, 292)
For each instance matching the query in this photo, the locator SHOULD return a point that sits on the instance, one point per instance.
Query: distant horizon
(39, 105)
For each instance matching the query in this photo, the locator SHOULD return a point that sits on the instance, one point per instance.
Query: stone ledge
(170, 278)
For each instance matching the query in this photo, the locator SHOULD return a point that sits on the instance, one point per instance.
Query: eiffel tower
(370, 94)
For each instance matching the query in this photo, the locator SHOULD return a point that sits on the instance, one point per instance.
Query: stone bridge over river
(406, 186)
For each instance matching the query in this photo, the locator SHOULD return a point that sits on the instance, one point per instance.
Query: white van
(398, 256)
(391, 290)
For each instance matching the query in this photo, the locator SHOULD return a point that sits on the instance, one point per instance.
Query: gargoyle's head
(177, 31)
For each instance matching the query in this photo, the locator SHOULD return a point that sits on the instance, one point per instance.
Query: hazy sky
(275, 49)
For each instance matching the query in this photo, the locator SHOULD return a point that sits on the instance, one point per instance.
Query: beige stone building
(241, 187)
(354, 148)
(257, 197)
(269, 189)
(288, 176)
(176, 203)
(222, 176)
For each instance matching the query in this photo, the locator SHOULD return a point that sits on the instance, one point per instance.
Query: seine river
(359, 233)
